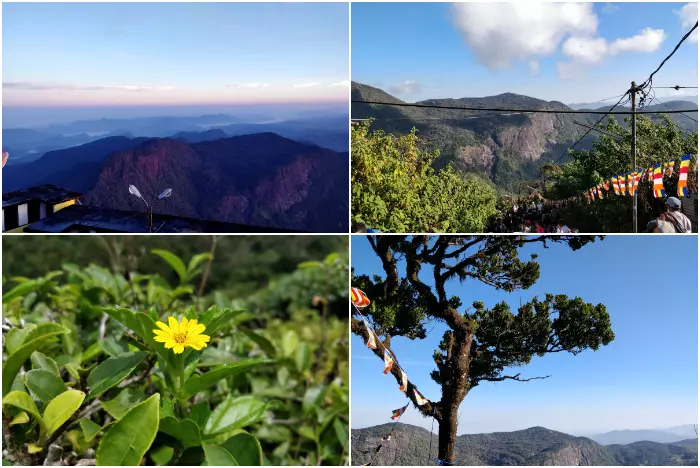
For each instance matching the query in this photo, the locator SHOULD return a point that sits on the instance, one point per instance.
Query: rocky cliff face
(260, 179)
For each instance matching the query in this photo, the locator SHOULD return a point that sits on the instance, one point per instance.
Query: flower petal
(172, 321)
(163, 326)
(161, 339)
(183, 325)
(199, 329)
(169, 344)
(178, 348)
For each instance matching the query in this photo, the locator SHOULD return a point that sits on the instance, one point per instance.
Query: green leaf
(199, 413)
(185, 431)
(113, 348)
(213, 318)
(174, 262)
(197, 383)
(245, 449)
(15, 337)
(21, 418)
(40, 361)
(235, 413)
(34, 340)
(20, 290)
(45, 384)
(217, 456)
(166, 407)
(196, 260)
(290, 342)
(24, 402)
(162, 455)
(90, 429)
(112, 371)
(265, 344)
(61, 408)
(127, 441)
(341, 432)
(313, 398)
(117, 407)
(93, 351)
(303, 357)
(73, 370)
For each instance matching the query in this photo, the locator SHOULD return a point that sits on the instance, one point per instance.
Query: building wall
(16, 216)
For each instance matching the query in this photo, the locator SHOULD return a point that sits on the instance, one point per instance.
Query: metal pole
(633, 90)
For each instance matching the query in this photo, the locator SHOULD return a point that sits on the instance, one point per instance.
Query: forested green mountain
(503, 148)
(536, 446)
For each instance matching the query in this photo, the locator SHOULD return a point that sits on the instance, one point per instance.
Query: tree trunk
(447, 433)
(455, 386)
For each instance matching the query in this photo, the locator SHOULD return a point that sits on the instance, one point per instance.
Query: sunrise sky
(146, 54)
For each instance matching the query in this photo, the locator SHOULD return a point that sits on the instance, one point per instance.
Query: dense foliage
(658, 141)
(396, 189)
(84, 380)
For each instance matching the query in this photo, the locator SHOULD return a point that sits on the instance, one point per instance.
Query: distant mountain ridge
(260, 179)
(667, 435)
(536, 446)
(505, 148)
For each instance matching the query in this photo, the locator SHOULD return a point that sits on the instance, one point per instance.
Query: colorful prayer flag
(386, 438)
(635, 177)
(396, 414)
(404, 381)
(419, 398)
(669, 168)
(683, 176)
(359, 298)
(388, 361)
(371, 342)
(600, 191)
(616, 187)
(650, 175)
(659, 191)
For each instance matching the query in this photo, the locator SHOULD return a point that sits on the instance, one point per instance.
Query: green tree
(396, 189)
(658, 141)
(481, 343)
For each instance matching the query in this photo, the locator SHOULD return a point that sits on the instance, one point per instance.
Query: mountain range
(29, 144)
(260, 179)
(505, 148)
(536, 446)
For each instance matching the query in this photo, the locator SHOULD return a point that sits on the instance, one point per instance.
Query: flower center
(180, 337)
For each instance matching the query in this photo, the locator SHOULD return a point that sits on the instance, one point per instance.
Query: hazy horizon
(33, 117)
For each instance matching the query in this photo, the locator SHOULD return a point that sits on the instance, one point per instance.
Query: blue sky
(91, 54)
(567, 52)
(646, 378)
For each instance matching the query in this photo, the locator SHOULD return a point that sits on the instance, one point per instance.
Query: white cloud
(534, 67)
(689, 16)
(649, 40)
(585, 49)
(249, 85)
(36, 86)
(307, 85)
(593, 50)
(405, 87)
(343, 84)
(500, 33)
(609, 8)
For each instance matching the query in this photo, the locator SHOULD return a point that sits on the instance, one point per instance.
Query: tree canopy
(396, 189)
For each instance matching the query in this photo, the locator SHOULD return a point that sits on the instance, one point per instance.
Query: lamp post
(149, 211)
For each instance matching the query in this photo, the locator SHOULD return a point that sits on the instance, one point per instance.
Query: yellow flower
(180, 335)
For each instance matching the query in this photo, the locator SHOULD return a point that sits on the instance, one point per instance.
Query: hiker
(671, 220)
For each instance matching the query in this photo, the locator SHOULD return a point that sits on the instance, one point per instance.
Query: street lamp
(165, 194)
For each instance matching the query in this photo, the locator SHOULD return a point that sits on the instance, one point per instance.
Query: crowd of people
(531, 217)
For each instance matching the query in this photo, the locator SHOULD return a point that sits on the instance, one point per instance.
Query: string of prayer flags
(371, 342)
(386, 438)
(630, 184)
(683, 176)
(404, 381)
(606, 186)
(419, 398)
(388, 361)
(396, 414)
(623, 186)
(616, 187)
(635, 177)
(359, 298)
(600, 191)
(650, 175)
(659, 191)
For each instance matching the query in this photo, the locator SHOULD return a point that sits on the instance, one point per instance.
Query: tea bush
(87, 381)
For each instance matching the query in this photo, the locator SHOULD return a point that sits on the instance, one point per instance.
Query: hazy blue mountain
(536, 446)
(666, 435)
